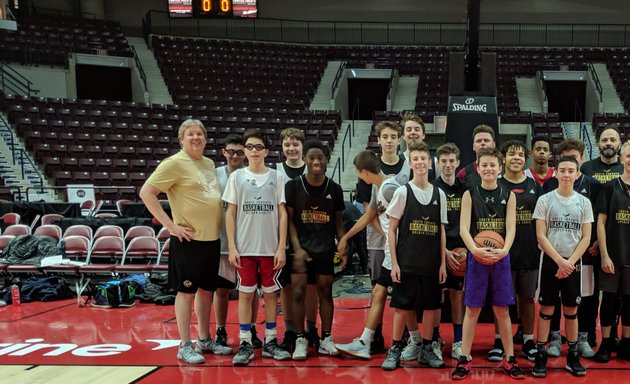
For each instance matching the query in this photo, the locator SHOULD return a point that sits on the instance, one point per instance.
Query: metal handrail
(390, 85)
(143, 76)
(335, 169)
(15, 82)
(347, 135)
(22, 155)
(408, 33)
(54, 11)
(338, 75)
(598, 84)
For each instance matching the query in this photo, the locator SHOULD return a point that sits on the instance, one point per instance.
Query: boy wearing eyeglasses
(255, 198)
(234, 154)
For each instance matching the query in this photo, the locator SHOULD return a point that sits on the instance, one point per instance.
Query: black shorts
(417, 291)
(193, 264)
(224, 283)
(552, 288)
(385, 278)
(285, 275)
(453, 282)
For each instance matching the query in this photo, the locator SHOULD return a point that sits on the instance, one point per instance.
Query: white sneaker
(301, 349)
(456, 350)
(411, 351)
(584, 347)
(327, 347)
(357, 349)
(554, 347)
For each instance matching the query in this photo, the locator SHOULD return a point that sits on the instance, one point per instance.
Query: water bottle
(15, 294)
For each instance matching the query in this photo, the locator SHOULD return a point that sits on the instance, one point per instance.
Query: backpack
(113, 294)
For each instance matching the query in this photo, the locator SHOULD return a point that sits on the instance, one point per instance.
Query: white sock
(246, 336)
(270, 334)
(497, 336)
(415, 336)
(367, 336)
(527, 337)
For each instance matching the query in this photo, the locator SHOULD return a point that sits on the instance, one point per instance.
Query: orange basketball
(460, 254)
(489, 239)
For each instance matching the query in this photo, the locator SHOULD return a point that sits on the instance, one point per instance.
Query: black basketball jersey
(454, 195)
(524, 253)
(601, 171)
(615, 202)
(419, 231)
(471, 176)
(314, 216)
(488, 210)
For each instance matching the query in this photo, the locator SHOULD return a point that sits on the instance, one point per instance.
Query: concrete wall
(51, 82)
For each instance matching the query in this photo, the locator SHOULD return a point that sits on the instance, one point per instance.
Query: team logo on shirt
(314, 216)
(208, 182)
(453, 203)
(380, 208)
(623, 216)
(523, 215)
(424, 226)
(494, 223)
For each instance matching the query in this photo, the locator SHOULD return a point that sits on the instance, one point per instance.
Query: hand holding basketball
(458, 267)
(490, 244)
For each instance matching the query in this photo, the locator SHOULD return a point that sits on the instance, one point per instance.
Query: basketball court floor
(60, 342)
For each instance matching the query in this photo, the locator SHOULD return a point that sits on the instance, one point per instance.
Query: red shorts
(247, 276)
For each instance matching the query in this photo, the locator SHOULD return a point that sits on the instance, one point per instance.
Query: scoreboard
(213, 8)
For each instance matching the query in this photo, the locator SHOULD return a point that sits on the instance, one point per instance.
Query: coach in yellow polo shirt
(189, 180)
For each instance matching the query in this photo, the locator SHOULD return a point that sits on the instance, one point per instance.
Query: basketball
(489, 239)
(460, 254)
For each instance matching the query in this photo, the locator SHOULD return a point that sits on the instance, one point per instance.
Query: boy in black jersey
(524, 254)
(613, 230)
(314, 207)
(448, 161)
(419, 210)
(483, 137)
(488, 207)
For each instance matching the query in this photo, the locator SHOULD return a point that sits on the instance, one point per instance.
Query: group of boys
(540, 208)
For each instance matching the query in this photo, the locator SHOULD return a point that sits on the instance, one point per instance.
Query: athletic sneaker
(431, 355)
(378, 343)
(554, 347)
(244, 355)
(327, 347)
(496, 353)
(540, 365)
(604, 351)
(517, 339)
(456, 350)
(529, 350)
(462, 369)
(210, 346)
(187, 354)
(256, 342)
(573, 364)
(313, 338)
(357, 349)
(301, 349)
(288, 343)
(392, 359)
(221, 338)
(411, 351)
(584, 348)
(511, 368)
(271, 349)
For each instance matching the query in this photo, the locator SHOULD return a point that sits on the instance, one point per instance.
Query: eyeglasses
(237, 152)
(257, 147)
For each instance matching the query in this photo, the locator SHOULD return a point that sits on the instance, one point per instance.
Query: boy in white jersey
(255, 197)
(563, 228)
(368, 169)
(234, 154)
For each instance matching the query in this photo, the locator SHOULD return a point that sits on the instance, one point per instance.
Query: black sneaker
(529, 350)
(462, 369)
(623, 351)
(573, 364)
(496, 353)
(288, 343)
(256, 342)
(518, 336)
(540, 366)
(313, 338)
(378, 344)
(221, 337)
(511, 368)
(603, 353)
